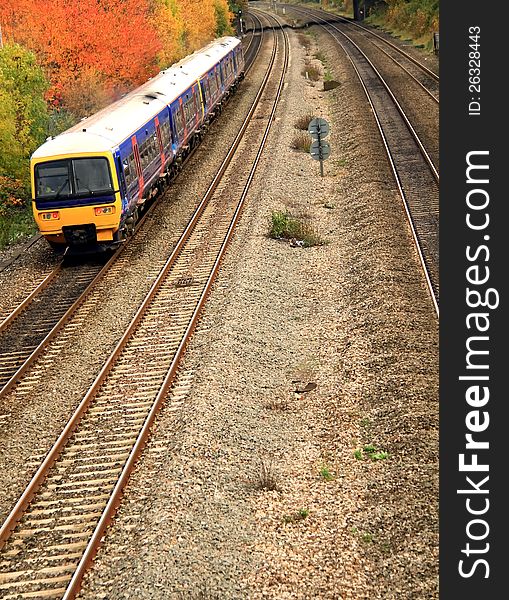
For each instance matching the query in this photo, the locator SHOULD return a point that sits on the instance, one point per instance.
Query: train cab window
(72, 177)
(52, 179)
(92, 175)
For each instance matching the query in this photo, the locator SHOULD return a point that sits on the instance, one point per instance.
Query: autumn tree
(186, 25)
(223, 17)
(23, 111)
(109, 42)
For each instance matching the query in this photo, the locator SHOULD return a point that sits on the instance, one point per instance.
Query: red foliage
(114, 39)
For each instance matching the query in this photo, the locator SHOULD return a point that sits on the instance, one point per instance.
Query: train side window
(127, 171)
(144, 154)
(195, 103)
(153, 147)
(179, 121)
(132, 166)
(165, 133)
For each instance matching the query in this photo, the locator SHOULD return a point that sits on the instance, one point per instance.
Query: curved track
(52, 534)
(414, 170)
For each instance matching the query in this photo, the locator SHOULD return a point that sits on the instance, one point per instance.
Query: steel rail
(38, 236)
(66, 317)
(31, 242)
(313, 13)
(411, 75)
(410, 220)
(399, 108)
(28, 300)
(52, 456)
(251, 42)
(411, 58)
(115, 497)
(55, 330)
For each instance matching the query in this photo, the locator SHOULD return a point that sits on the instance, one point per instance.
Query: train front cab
(76, 199)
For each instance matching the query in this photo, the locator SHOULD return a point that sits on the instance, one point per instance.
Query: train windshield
(72, 177)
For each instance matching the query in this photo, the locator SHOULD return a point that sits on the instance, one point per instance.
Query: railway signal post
(320, 149)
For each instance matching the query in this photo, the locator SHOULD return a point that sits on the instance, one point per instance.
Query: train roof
(110, 126)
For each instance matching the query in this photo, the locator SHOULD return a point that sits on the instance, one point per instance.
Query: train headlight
(104, 210)
(50, 216)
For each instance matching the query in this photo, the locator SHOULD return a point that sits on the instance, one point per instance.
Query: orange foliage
(111, 38)
(107, 45)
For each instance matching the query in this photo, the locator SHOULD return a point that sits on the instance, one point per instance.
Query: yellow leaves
(186, 25)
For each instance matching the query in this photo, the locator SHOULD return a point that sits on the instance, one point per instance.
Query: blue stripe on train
(73, 202)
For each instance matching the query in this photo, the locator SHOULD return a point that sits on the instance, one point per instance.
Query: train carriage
(90, 182)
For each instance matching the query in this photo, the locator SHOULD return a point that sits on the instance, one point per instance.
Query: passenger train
(90, 183)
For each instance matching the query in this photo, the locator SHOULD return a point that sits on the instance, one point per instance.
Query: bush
(417, 17)
(301, 142)
(283, 225)
(15, 212)
(311, 73)
(303, 122)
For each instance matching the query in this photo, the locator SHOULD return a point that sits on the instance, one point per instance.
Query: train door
(121, 178)
(139, 170)
(161, 145)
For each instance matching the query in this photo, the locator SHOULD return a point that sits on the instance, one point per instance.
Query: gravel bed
(421, 110)
(353, 317)
(428, 59)
(30, 424)
(20, 277)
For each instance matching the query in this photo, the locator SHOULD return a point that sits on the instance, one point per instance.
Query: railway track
(29, 328)
(414, 170)
(37, 320)
(55, 528)
(425, 77)
(255, 32)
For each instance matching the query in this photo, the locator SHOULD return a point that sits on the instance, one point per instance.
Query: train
(91, 183)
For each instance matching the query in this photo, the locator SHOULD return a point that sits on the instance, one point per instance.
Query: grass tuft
(16, 221)
(266, 478)
(371, 452)
(283, 225)
(298, 516)
(301, 142)
(305, 41)
(326, 474)
(321, 56)
(310, 72)
(303, 122)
